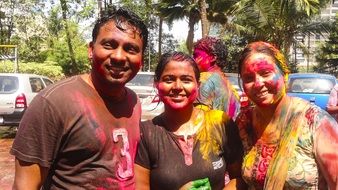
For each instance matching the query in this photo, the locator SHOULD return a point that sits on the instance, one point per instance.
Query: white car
(17, 90)
(143, 85)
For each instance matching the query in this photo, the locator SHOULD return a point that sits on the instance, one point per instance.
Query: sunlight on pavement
(6, 164)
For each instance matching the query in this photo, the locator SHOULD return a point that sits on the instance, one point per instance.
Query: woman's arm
(28, 176)
(142, 177)
(325, 149)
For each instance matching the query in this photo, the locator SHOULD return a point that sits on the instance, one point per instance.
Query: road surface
(7, 135)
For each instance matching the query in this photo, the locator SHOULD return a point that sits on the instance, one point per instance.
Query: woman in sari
(288, 142)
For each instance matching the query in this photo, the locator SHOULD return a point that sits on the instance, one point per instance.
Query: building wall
(307, 61)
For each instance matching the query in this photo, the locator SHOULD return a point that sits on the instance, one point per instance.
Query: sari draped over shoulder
(271, 160)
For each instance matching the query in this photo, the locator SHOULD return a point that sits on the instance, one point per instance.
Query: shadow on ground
(7, 132)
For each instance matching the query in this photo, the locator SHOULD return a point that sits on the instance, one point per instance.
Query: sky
(180, 30)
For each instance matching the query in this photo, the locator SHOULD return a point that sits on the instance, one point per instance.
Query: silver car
(143, 85)
(17, 90)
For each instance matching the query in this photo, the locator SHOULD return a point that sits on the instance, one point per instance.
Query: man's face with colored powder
(203, 60)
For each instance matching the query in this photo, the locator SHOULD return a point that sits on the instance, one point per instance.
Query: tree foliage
(278, 21)
(40, 31)
(49, 69)
(327, 56)
(39, 28)
(171, 10)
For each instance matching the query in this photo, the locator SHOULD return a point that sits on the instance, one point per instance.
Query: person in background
(82, 132)
(186, 147)
(332, 104)
(215, 90)
(288, 142)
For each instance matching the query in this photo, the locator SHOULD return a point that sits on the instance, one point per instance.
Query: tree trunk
(190, 37)
(99, 6)
(193, 19)
(204, 20)
(160, 37)
(73, 66)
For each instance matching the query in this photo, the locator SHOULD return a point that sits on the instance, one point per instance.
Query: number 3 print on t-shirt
(128, 172)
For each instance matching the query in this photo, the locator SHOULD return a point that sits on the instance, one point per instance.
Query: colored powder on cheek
(160, 90)
(278, 88)
(280, 83)
(193, 95)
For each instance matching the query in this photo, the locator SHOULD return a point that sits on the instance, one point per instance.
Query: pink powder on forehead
(261, 65)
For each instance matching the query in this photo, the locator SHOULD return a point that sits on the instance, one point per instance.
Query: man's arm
(331, 106)
(142, 177)
(28, 176)
(332, 109)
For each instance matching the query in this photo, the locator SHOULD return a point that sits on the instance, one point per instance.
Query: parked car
(236, 82)
(142, 85)
(314, 87)
(16, 92)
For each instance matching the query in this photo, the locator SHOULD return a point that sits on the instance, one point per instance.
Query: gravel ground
(7, 135)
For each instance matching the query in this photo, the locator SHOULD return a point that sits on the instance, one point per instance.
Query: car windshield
(8, 84)
(310, 85)
(142, 79)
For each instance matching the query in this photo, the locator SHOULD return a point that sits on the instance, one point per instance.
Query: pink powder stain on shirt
(111, 183)
(83, 100)
(326, 141)
(100, 135)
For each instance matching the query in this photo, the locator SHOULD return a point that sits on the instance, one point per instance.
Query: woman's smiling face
(263, 81)
(178, 87)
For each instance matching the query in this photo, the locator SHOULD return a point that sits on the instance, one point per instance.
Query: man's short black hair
(120, 16)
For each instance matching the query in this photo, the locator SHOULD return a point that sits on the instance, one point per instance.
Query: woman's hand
(199, 184)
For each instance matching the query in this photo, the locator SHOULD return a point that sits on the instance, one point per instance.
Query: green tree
(172, 10)
(206, 11)
(66, 42)
(7, 16)
(19, 24)
(327, 56)
(278, 21)
(30, 32)
(72, 63)
(58, 50)
(204, 19)
(235, 45)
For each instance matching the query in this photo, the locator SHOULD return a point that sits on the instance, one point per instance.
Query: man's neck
(114, 94)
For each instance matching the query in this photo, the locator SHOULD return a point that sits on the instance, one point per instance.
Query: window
(311, 85)
(47, 81)
(36, 84)
(8, 84)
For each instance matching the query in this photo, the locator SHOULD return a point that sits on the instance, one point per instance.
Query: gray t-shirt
(88, 141)
(170, 164)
